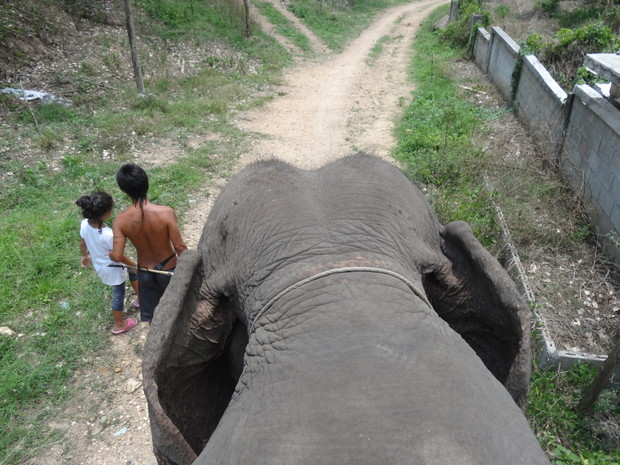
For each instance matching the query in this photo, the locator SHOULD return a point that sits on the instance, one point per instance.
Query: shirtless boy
(154, 232)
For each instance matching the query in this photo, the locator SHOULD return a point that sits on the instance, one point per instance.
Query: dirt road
(330, 106)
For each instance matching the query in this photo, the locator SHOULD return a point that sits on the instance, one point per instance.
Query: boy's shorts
(152, 287)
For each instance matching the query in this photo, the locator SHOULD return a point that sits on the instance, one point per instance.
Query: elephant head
(329, 318)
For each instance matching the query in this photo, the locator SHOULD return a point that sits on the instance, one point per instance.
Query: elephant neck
(323, 274)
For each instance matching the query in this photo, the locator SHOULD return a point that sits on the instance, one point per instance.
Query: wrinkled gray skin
(244, 366)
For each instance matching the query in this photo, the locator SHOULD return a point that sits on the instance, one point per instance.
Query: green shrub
(550, 6)
(564, 57)
(596, 36)
(502, 11)
(532, 45)
(611, 17)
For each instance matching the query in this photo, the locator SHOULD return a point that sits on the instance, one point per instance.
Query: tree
(246, 6)
(135, 59)
(592, 392)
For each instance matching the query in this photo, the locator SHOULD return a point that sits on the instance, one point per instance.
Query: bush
(564, 57)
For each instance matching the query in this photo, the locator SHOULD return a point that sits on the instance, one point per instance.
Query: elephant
(327, 317)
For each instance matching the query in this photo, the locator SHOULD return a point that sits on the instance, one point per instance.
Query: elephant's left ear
(473, 293)
(185, 374)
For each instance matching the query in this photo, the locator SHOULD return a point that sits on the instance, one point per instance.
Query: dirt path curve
(317, 45)
(332, 105)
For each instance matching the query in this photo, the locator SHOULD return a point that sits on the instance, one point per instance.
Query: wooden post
(592, 392)
(135, 59)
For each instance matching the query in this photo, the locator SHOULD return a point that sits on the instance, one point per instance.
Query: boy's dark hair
(94, 206)
(133, 181)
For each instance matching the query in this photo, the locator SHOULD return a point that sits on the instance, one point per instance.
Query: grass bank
(439, 141)
(435, 138)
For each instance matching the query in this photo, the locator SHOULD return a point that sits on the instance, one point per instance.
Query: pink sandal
(131, 323)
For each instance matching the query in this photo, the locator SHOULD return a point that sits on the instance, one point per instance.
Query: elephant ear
(473, 293)
(187, 380)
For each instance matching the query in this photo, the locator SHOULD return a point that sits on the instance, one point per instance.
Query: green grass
(59, 311)
(377, 50)
(38, 238)
(189, 19)
(337, 26)
(434, 139)
(284, 27)
(568, 437)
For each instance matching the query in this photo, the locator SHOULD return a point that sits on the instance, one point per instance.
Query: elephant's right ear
(473, 293)
(187, 381)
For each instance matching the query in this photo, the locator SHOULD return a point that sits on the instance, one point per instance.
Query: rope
(322, 274)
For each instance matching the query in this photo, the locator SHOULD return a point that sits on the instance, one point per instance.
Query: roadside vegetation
(435, 140)
(51, 154)
(441, 141)
(566, 31)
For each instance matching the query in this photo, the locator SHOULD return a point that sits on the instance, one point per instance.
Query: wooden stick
(169, 273)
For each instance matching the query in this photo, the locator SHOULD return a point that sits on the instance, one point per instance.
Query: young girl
(96, 240)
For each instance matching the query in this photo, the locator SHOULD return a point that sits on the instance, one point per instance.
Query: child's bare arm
(85, 260)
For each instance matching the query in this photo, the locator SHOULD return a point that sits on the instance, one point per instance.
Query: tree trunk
(246, 5)
(592, 392)
(135, 60)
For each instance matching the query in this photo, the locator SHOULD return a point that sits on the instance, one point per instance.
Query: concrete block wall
(481, 49)
(503, 52)
(540, 103)
(583, 129)
(591, 158)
